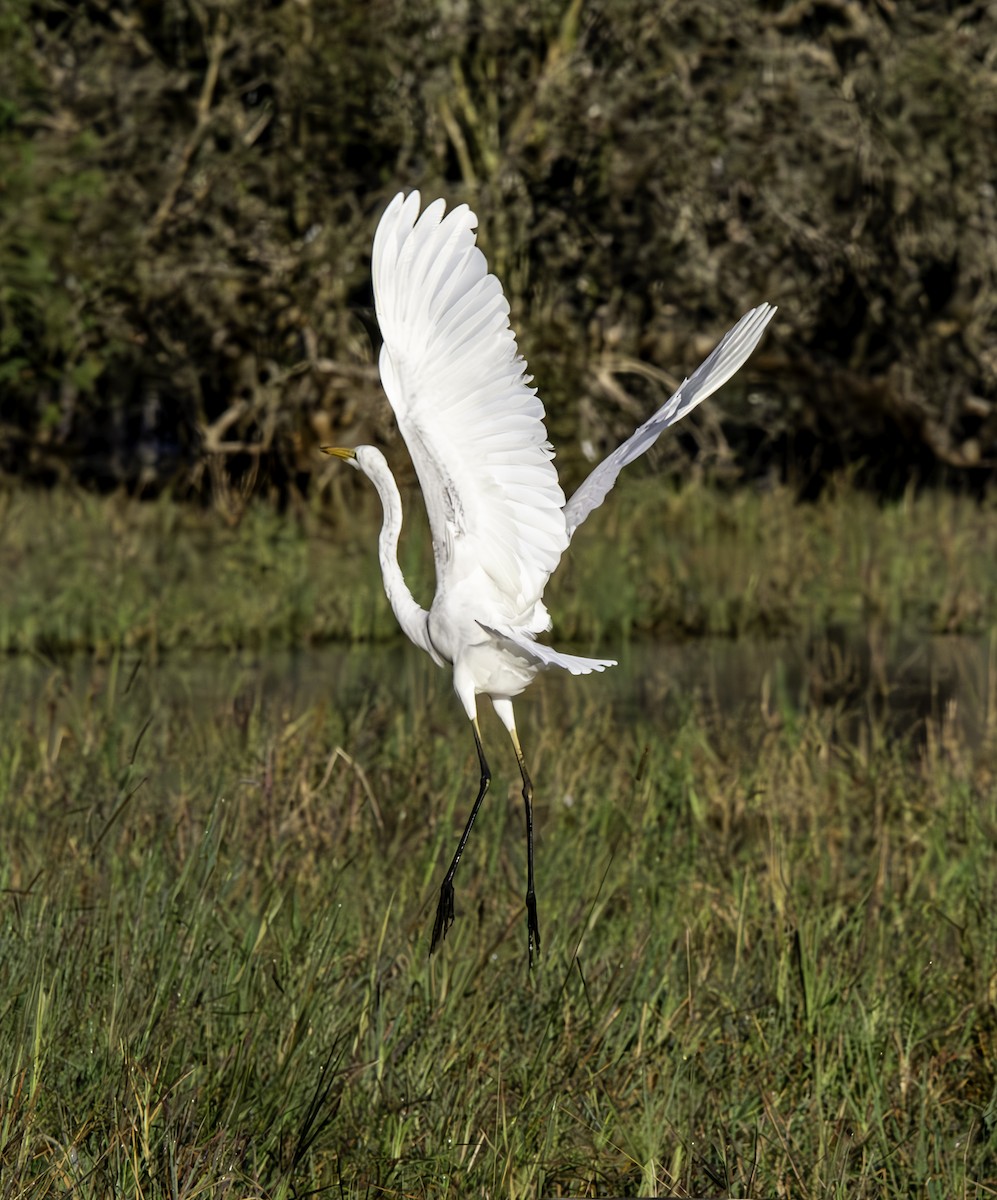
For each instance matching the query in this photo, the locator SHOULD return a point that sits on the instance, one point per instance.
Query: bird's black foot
(532, 925)
(444, 915)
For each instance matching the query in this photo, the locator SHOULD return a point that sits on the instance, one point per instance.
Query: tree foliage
(188, 191)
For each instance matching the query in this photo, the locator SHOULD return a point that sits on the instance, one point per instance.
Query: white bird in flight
(475, 430)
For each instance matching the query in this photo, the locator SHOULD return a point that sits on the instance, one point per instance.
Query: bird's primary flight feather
(458, 386)
(729, 355)
(475, 430)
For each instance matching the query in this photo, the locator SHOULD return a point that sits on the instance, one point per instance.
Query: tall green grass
(770, 946)
(81, 572)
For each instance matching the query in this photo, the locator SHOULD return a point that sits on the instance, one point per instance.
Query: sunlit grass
(770, 947)
(104, 573)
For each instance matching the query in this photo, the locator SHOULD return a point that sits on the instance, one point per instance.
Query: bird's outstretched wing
(459, 389)
(729, 355)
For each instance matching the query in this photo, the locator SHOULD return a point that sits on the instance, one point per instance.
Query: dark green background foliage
(188, 193)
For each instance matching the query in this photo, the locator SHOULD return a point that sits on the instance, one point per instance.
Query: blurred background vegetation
(188, 192)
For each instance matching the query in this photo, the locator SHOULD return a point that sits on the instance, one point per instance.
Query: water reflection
(903, 686)
(898, 684)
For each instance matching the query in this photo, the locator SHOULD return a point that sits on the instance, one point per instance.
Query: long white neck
(411, 616)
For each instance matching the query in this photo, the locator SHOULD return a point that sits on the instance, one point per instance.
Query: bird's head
(364, 458)
(347, 454)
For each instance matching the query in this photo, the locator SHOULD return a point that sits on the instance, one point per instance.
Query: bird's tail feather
(545, 655)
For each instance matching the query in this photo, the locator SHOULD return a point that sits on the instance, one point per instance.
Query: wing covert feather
(458, 386)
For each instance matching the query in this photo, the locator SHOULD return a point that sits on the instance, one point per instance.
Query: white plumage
(475, 431)
(461, 396)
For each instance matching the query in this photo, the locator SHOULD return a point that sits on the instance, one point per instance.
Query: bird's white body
(459, 625)
(475, 431)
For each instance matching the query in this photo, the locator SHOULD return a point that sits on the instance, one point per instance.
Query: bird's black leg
(444, 911)
(532, 924)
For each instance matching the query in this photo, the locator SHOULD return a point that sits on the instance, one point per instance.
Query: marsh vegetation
(766, 869)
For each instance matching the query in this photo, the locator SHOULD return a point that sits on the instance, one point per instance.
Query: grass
(691, 561)
(770, 950)
(769, 916)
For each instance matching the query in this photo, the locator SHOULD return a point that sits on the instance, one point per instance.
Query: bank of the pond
(98, 573)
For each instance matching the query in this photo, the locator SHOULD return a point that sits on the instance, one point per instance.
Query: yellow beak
(339, 451)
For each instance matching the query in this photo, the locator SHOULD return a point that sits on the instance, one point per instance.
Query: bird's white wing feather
(547, 656)
(459, 389)
(729, 355)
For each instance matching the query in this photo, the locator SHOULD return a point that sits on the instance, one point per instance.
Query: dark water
(901, 685)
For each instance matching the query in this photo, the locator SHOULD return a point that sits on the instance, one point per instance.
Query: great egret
(475, 431)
